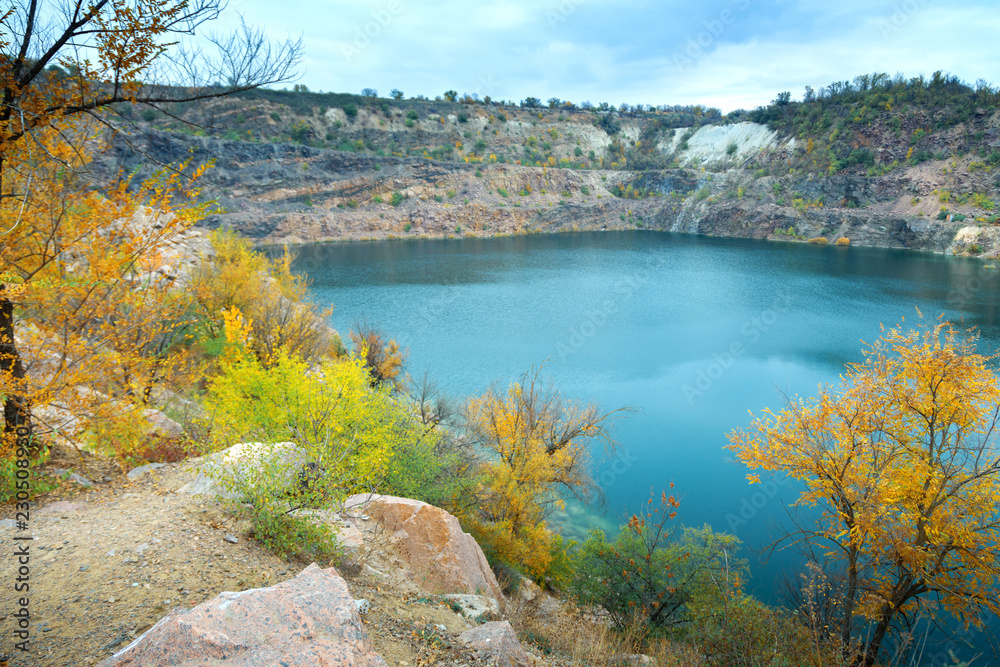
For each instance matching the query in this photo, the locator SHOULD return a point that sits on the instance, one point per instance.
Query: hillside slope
(289, 169)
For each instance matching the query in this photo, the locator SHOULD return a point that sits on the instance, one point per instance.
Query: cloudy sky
(723, 53)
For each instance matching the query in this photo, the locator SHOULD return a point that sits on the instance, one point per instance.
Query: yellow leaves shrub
(269, 295)
(534, 448)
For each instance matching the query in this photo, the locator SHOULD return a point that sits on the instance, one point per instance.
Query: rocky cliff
(728, 179)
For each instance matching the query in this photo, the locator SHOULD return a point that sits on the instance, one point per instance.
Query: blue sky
(723, 53)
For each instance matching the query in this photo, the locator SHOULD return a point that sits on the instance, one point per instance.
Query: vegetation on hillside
(878, 122)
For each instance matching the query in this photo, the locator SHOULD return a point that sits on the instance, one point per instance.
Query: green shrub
(585, 190)
(350, 109)
(502, 192)
(396, 199)
(15, 479)
(652, 572)
(275, 116)
(702, 194)
(463, 117)
(731, 148)
(409, 122)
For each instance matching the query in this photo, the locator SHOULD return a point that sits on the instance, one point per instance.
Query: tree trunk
(871, 651)
(16, 410)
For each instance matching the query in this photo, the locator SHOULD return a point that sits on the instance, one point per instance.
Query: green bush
(412, 114)
(396, 199)
(702, 194)
(652, 572)
(350, 109)
(463, 117)
(275, 116)
(14, 479)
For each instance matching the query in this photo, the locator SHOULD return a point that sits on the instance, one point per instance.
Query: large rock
(159, 424)
(307, 621)
(497, 640)
(442, 557)
(248, 465)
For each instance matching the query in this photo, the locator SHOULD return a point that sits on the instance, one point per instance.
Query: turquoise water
(693, 332)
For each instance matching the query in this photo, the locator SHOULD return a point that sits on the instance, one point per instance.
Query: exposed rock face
(498, 641)
(290, 194)
(442, 557)
(307, 621)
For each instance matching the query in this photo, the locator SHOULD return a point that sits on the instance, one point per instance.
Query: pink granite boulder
(443, 559)
(307, 621)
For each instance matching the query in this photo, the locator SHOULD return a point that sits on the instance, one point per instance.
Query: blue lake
(694, 332)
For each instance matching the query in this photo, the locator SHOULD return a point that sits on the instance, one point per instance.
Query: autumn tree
(535, 446)
(383, 358)
(100, 325)
(268, 293)
(76, 59)
(904, 467)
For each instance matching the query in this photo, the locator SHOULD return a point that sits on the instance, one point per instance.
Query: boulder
(498, 641)
(442, 558)
(306, 621)
(245, 465)
(349, 537)
(159, 424)
(475, 606)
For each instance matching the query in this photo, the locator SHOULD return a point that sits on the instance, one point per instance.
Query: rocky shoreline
(278, 194)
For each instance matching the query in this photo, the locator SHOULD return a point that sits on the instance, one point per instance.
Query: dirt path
(109, 561)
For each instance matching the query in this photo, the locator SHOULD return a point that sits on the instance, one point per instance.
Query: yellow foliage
(79, 266)
(536, 447)
(904, 466)
(269, 297)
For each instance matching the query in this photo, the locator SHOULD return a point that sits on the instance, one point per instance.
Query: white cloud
(625, 51)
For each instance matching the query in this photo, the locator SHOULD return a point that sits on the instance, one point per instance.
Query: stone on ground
(443, 559)
(306, 621)
(497, 640)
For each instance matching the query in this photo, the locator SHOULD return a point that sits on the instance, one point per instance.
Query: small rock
(74, 477)
(142, 470)
(84, 568)
(232, 539)
(498, 640)
(362, 606)
(142, 547)
(6, 524)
